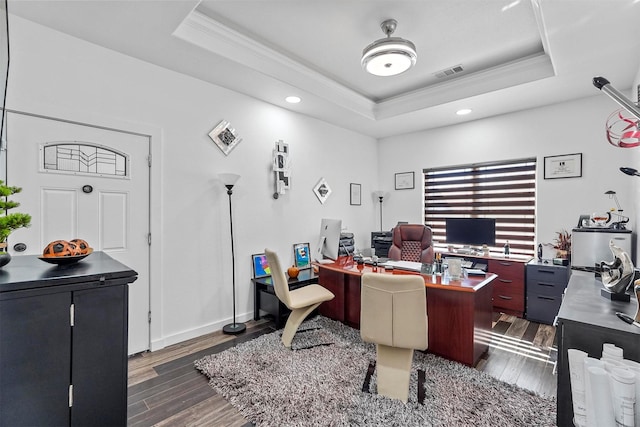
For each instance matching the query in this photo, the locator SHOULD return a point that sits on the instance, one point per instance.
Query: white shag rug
(320, 381)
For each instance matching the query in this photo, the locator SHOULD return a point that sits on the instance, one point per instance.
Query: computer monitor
(471, 231)
(329, 241)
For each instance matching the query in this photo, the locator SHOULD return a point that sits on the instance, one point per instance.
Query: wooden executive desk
(459, 312)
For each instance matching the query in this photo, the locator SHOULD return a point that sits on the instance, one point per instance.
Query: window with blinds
(505, 191)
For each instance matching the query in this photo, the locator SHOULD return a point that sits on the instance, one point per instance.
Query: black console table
(63, 342)
(586, 320)
(265, 297)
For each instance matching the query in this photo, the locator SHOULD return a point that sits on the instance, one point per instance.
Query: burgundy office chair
(412, 242)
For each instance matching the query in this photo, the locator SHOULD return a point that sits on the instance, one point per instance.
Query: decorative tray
(64, 260)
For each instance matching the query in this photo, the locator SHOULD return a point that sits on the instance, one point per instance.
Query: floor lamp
(229, 180)
(380, 195)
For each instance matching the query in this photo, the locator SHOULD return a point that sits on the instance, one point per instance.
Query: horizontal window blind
(505, 191)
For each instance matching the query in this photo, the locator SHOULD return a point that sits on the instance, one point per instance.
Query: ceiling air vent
(449, 71)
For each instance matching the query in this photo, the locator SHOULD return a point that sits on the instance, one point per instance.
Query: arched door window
(83, 158)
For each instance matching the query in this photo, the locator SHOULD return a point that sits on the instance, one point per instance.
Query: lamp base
(234, 328)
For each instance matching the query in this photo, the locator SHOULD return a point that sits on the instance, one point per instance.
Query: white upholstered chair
(393, 315)
(301, 301)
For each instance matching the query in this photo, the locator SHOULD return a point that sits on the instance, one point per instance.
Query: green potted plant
(9, 221)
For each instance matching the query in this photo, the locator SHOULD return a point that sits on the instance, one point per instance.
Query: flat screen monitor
(329, 241)
(471, 231)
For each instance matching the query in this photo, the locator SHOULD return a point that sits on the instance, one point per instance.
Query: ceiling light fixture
(292, 99)
(463, 111)
(389, 56)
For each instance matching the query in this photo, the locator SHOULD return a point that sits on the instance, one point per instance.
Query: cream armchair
(393, 315)
(301, 301)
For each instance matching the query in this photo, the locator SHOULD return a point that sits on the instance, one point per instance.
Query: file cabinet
(545, 286)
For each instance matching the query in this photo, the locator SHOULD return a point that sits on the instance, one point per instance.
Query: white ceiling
(516, 54)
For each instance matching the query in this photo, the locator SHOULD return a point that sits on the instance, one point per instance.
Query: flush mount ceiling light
(389, 56)
(293, 99)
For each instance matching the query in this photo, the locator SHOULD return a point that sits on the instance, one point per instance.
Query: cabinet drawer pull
(546, 271)
(551, 285)
(547, 298)
(505, 281)
(505, 297)
(506, 263)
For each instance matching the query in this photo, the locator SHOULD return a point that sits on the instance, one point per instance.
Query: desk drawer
(508, 296)
(545, 288)
(547, 275)
(543, 308)
(509, 270)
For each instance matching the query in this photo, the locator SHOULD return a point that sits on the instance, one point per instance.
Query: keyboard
(475, 272)
(405, 265)
(381, 260)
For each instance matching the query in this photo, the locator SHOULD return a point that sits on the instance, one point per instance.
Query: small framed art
(301, 255)
(356, 194)
(405, 180)
(225, 137)
(260, 266)
(565, 166)
(322, 190)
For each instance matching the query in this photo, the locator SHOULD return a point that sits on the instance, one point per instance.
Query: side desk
(586, 320)
(265, 298)
(459, 312)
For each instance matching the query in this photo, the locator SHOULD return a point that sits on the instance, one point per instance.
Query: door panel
(80, 181)
(114, 217)
(58, 216)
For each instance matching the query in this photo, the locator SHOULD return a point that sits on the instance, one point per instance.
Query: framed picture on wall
(565, 166)
(225, 137)
(260, 266)
(356, 194)
(405, 180)
(301, 256)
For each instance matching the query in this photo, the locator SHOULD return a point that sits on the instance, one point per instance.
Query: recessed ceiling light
(292, 99)
(463, 111)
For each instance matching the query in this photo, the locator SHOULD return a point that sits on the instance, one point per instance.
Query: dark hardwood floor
(166, 390)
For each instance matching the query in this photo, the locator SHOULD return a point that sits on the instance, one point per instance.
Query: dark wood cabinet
(545, 286)
(509, 287)
(63, 342)
(586, 320)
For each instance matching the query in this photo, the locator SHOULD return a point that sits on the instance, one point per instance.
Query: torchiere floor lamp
(229, 180)
(380, 195)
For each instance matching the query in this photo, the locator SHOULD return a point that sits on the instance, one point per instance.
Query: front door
(81, 181)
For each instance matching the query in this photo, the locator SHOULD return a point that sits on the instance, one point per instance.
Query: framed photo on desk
(301, 255)
(260, 266)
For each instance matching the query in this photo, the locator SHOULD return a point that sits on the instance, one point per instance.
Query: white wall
(59, 76)
(56, 75)
(571, 127)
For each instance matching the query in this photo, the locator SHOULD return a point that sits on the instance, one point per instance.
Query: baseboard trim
(159, 344)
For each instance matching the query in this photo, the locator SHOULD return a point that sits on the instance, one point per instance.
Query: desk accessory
(617, 275)
(229, 180)
(627, 319)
